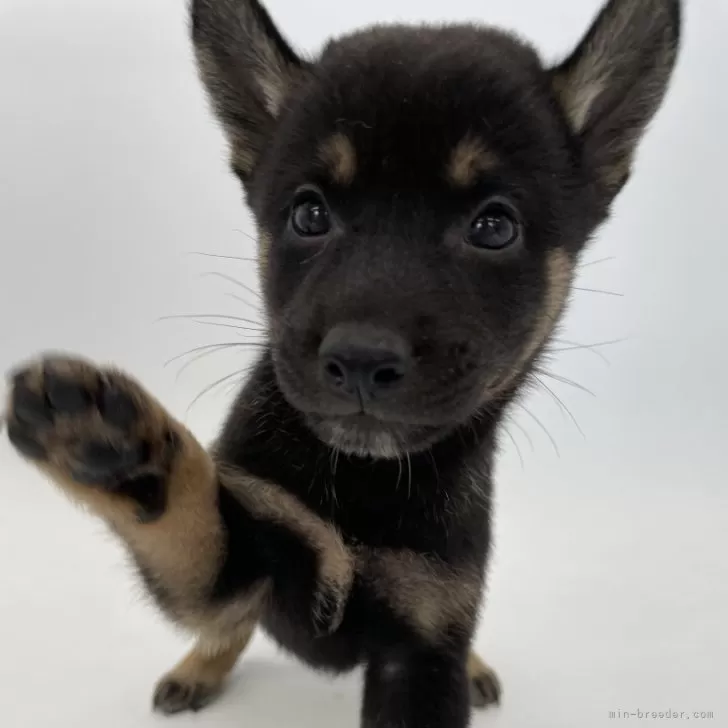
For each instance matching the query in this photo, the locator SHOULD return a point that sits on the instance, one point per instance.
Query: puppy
(422, 197)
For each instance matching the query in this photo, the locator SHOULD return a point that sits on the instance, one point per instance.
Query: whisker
(434, 467)
(564, 380)
(334, 497)
(597, 354)
(525, 433)
(247, 235)
(220, 325)
(210, 316)
(315, 254)
(254, 306)
(206, 347)
(212, 386)
(589, 348)
(336, 460)
(561, 404)
(330, 484)
(235, 281)
(599, 290)
(515, 444)
(198, 356)
(409, 476)
(590, 263)
(543, 427)
(223, 257)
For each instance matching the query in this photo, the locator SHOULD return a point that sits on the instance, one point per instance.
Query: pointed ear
(248, 70)
(614, 82)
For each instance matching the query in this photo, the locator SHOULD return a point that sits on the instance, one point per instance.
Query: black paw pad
(64, 395)
(150, 494)
(30, 408)
(117, 407)
(174, 696)
(103, 462)
(23, 441)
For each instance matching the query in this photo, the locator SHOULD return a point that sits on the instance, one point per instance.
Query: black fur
(257, 549)
(394, 471)
(425, 506)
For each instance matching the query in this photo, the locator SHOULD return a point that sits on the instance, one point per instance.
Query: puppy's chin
(366, 437)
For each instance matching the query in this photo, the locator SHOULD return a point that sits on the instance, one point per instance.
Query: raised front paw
(92, 427)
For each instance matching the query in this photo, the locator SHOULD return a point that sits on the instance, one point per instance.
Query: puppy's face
(422, 220)
(422, 196)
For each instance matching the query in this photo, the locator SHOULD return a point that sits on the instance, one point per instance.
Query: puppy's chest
(379, 522)
(416, 555)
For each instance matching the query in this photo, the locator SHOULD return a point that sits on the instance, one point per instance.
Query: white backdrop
(610, 584)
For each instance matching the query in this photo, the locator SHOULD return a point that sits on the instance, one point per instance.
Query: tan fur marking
(339, 156)
(274, 75)
(228, 618)
(273, 89)
(190, 524)
(477, 667)
(265, 241)
(241, 154)
(270, 501)
(469, 159)
(430, 595)
(559, 273)
(222, 97)
(485, 686)
(582, 87)
(577, 103)
(600, 60)
(209, 662)
(615, 175)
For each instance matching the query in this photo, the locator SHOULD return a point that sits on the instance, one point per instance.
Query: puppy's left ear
(248, 69)
(614, 82)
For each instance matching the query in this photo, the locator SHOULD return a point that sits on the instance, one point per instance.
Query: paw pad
(96, 427)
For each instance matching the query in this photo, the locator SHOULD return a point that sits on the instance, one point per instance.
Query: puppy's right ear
(248, 70)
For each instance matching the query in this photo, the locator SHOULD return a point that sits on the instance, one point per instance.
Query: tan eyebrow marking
(339, 156)
(470, 158)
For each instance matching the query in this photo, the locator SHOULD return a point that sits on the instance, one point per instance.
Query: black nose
(363, 362)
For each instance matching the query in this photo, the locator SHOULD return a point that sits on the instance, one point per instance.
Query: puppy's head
(422, 195)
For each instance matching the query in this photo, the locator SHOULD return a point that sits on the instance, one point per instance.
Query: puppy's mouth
(364, 435)
(389, 426)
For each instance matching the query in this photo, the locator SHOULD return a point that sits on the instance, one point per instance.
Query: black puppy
(422, 196)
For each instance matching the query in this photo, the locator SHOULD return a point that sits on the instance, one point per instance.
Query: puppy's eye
(310, 217)
(495, 228)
